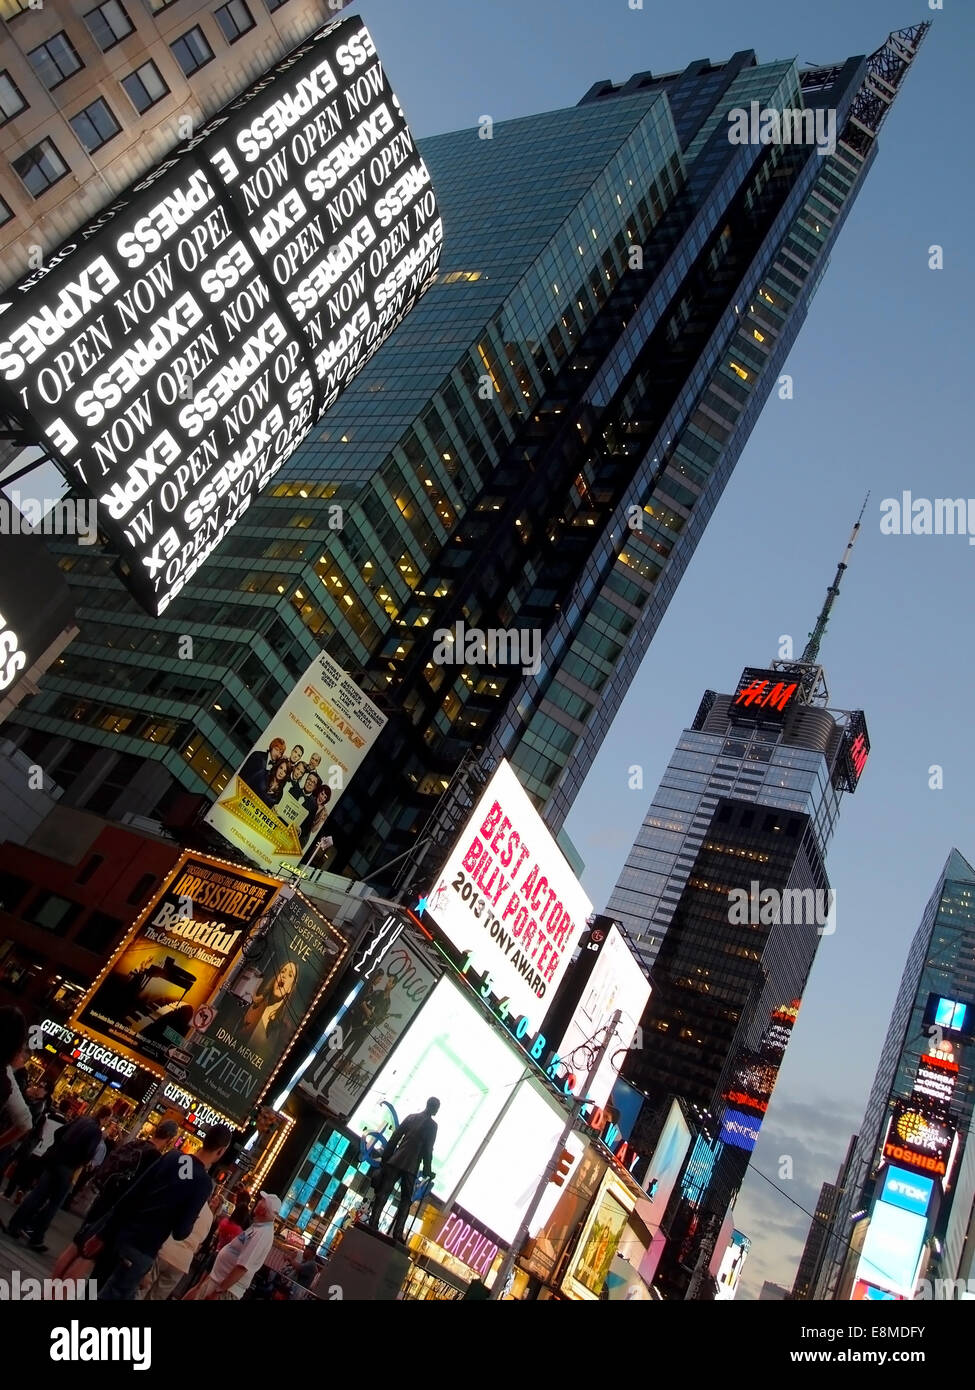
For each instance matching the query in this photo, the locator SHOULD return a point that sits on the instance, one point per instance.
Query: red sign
(762, 693)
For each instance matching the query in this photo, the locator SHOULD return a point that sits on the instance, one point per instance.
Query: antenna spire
(811, 654)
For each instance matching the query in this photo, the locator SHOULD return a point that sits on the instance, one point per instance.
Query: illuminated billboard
(503, 1183)
(449, 1052)
(919, 1141)
(912, 1191)
(617, 981)
(739, 1130)
(892, 1249)
(763, 696)
(950, 1018)
(508, 898)
(669, 1154)
(275, 808)
(235, 1058)
(599, 1240)
(173, 960)
(177, 350)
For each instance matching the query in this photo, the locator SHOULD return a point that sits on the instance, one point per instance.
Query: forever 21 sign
(174, 354)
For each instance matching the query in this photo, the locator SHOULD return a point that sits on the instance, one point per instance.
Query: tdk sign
(910, 1191)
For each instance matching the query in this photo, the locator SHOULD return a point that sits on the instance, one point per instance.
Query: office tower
(92, 95)
(521, 475)
(725, 894)
(916, 1132)
(773, 1293)
(812, 1253)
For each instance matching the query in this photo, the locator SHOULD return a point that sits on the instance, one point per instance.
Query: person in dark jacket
(165, 1202)
(74, 1145)
(409, 1150)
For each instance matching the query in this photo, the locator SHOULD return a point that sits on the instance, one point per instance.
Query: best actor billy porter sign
(174, 354)
(508, 897)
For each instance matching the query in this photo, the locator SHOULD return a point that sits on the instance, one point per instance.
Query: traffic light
(562, 1168)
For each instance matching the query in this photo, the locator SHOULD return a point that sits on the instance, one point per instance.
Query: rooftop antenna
(810, 656)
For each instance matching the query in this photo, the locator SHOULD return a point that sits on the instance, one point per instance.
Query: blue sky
(881, 403)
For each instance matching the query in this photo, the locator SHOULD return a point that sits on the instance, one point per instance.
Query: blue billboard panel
(739, 1129)
(910, 1191)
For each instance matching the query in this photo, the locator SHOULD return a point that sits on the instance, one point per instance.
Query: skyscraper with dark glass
(725, 897)
(538, 449)
(925, 1074)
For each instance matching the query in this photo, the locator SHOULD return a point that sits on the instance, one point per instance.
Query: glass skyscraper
(941, 962)
(537, 450)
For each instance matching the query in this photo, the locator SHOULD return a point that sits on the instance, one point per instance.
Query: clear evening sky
(882, 373)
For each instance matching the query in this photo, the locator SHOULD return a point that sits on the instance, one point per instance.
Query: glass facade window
(40, 167)
(11, 100)
(235, 19)
(145, 87)
(192, 51)
(95, 125)
(55, 60)
(109, 24)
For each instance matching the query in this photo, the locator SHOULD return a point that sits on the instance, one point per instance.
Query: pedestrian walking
(241, 1258)
(164, 1202)
(15, 1116)
(121, 1169)
(73, 1146)
(175, 1258)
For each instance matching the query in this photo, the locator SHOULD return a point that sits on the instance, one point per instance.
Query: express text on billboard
(175, 353)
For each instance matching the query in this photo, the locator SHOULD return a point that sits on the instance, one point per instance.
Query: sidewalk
(14, 1254)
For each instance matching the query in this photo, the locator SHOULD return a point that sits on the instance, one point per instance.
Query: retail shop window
(90, 867)
(99, 932)
(55, 60)
(11, 99)
(95, 125)
(144, 87)
(109, 24)
(53, 913)
(235, 20)
(192, 51)
(40, 167)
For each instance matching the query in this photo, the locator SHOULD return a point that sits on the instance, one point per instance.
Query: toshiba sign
(175, 353)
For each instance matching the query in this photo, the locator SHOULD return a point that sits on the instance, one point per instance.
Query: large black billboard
(173, 355)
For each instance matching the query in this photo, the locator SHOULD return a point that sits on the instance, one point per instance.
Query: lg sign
(177, 352)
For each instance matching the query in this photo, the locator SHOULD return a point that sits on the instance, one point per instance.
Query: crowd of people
(155, 1226)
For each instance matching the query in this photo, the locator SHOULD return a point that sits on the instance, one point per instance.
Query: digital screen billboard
(508, 898)
(235, 1058)
(617, 981)
(177, 350)
(276, 806)
(600, 1238)
(739, 1130)
(174, 959)
(912, 1191)
(919, 1141)
(892, 1249)
(449, 1052)
(665, 1166)
(952, 1018)
(501, 1187)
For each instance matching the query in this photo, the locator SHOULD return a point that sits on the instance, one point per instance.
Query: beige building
(92, 95)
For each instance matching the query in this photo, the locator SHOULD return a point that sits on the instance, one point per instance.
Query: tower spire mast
(811, 654)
